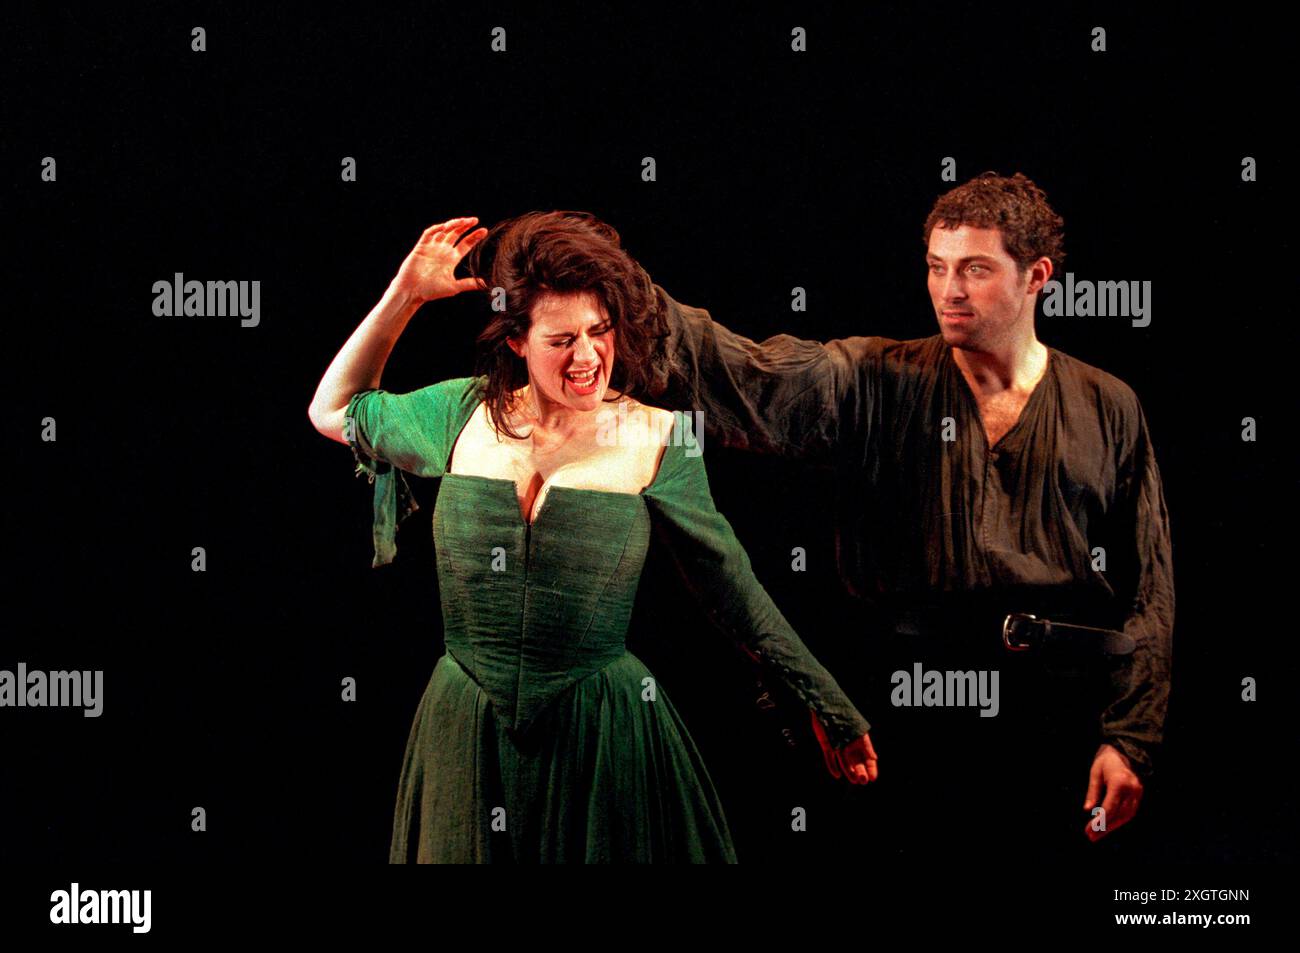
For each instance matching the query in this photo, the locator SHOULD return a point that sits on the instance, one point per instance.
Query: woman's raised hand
(856, 761)
(428, 271)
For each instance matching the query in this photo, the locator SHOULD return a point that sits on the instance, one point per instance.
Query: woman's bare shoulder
(658, 421)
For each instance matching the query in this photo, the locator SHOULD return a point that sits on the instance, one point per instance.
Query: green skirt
(600, 777)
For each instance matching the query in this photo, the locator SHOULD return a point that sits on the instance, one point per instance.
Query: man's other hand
(1113, 779)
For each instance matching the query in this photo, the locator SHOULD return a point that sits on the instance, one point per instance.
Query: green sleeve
(392, 434)
(717, 570)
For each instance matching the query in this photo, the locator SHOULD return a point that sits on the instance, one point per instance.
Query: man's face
(980, 297)
(569, 337)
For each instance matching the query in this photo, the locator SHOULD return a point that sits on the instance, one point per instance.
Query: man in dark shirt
(979, 473)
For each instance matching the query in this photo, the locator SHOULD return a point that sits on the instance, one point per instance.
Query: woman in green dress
(540, 738)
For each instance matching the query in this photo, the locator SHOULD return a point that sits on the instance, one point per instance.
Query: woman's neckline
(544, 493)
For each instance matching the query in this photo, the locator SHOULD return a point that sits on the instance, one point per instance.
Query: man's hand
(1112, 773)
(856, 761)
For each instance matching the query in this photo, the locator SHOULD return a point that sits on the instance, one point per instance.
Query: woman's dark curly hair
(1015, 206)
(563, 252)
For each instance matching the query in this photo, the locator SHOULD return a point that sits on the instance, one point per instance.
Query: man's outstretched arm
(787, 396)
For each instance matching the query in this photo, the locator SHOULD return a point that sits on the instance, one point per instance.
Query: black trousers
(957, 787)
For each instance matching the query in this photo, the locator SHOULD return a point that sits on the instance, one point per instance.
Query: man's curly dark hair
(1015, 206)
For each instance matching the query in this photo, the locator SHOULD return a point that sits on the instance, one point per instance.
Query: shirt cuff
(1137, 755)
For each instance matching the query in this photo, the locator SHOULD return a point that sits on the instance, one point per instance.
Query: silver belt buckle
(1007, 623)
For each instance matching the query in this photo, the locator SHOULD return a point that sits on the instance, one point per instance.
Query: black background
(775, 169)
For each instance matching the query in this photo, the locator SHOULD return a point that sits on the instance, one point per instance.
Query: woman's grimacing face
(570, 336)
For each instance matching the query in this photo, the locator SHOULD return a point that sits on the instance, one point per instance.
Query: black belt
(1022, 631)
